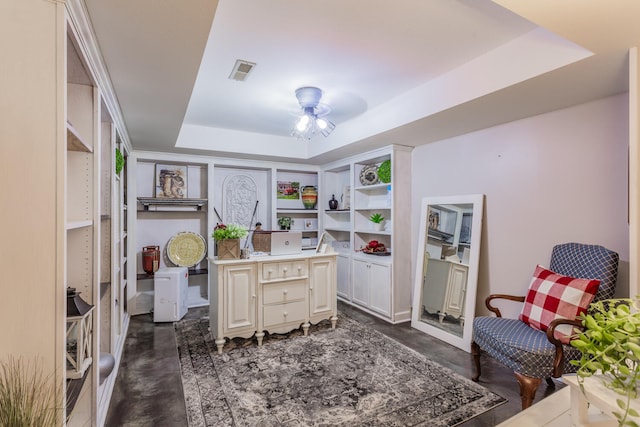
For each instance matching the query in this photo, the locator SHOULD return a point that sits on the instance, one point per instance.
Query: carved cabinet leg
(475, 351)
(528, 388)
(220, 343)
(259, 337)
(334, 321)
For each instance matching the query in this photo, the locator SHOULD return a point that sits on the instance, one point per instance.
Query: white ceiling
(407, 72)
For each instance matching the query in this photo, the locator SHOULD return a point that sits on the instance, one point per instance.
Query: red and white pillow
(552, 296)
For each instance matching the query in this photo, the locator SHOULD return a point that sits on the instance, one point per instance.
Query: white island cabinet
(274, 294)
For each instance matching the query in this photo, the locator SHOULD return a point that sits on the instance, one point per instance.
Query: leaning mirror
(444, 295)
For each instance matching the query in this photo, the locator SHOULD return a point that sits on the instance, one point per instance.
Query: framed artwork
(171, 181)
(323, 241)
(345, 198)
(289, 190)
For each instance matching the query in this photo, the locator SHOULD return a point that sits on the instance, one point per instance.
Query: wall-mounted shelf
(146, 202)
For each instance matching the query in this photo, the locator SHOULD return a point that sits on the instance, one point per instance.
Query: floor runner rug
(350, 376)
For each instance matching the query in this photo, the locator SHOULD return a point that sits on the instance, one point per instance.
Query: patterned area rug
(350, 376)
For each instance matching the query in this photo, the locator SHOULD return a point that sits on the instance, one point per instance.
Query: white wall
(548, 179)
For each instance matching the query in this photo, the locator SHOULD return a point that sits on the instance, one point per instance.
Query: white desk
(274, 294)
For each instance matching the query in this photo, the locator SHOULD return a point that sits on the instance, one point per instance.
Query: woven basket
(261, 241)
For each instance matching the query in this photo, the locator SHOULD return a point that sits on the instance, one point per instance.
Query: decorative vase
(378, 226)
(229, 249)
(309, 196)
(333, 203)
(150, 259)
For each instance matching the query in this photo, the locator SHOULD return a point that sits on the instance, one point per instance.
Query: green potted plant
(285, 222)
(610, 347)
(227, 239)
(378, 221)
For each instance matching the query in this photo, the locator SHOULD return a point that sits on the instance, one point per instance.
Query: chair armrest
(558, 362)
(487, 302)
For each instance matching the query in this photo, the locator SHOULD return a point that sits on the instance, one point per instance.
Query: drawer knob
(284, 292)
(269, 271)
(284, 269)
(285, 314)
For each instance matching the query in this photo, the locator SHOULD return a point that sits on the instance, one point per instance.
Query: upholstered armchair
(535, 350)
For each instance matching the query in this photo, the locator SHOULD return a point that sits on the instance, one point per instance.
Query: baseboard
(398, 318)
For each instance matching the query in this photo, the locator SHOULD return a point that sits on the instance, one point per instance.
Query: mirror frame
(464, 342)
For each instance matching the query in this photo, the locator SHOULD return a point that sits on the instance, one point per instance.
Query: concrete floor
(148, 390)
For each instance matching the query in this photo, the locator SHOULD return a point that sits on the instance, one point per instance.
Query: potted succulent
(378, 221)
(610, 347)
(227, 237)
(285, 222)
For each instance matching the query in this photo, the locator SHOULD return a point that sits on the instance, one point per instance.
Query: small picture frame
(171, 181)
(322, 243)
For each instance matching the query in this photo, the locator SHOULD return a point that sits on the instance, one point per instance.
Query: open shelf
(75, 142)
(146, 202)
(195, 272)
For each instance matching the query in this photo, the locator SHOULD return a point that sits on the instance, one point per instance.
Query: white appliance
(170, 294)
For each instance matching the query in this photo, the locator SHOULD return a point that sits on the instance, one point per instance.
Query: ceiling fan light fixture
(307, 125)
(303, 123)
(328, 127)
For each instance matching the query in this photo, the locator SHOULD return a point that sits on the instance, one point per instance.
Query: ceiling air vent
(241, 70)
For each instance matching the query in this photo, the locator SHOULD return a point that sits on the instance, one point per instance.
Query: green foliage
(229, 231)
(119, 161)
(285, 222)
(384, 171)
(610, 345)
(377, 218)
(27, 396)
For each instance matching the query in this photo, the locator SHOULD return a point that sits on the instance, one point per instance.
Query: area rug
(350, 376)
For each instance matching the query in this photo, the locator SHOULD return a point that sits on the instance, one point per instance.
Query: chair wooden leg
(528, 387)
(475, 351)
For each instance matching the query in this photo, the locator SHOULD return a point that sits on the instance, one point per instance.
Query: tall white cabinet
(58, 142)
(380, 285)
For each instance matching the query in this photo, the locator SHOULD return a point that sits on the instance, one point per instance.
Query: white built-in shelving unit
(154, 221)
(377, 284)
(95, 223)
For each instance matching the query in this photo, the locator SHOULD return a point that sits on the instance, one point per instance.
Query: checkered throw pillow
(552, 296)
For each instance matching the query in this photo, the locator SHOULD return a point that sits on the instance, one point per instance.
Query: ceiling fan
(314, 118)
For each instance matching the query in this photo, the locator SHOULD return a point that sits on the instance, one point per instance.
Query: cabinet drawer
(284, 270)
(275, 315)
(276, 293)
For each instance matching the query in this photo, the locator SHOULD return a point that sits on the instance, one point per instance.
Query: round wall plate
(369, 175)
(186, 249)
